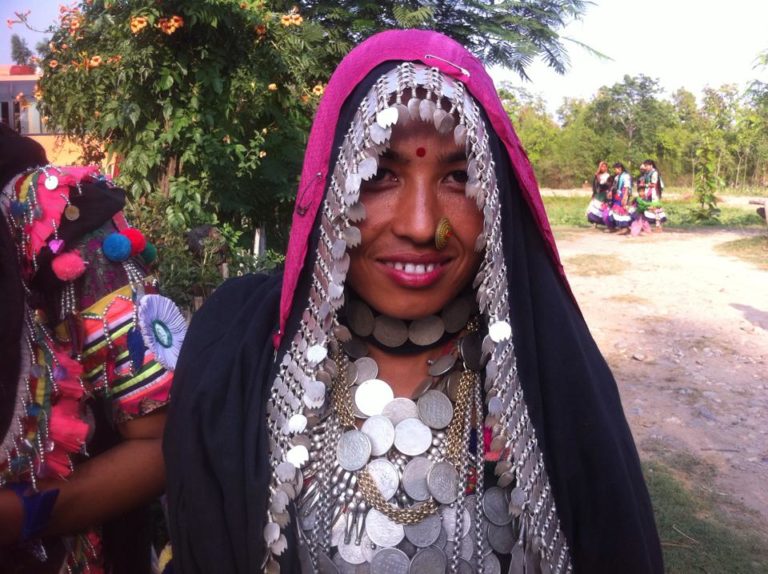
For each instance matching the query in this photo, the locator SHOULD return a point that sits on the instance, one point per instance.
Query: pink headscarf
(431, 49)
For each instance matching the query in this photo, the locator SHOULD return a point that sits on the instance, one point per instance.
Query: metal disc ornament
(51, 182)
(381, 432)
(435, 409)
(427, 330)
(372, 395)
(389, 331)
(72, 213)
(431, 560)
(353, 450)
(412, 437)
(381, 530)
(415, 478)
(443, 482)
(424, 533)
(399, 409)
(385, 476)
(390, 561)
(496, 506)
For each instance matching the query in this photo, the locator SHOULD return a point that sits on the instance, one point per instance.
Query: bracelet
(36, 508)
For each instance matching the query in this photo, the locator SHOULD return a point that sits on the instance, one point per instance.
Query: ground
(685, 331)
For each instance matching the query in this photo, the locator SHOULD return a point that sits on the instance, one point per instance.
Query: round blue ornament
(116, 247)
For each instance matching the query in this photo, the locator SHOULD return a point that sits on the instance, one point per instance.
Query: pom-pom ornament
(149, 254)
(116, 247)
(68, 266)
(137, 239)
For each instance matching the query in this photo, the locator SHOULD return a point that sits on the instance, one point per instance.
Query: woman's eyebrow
(455, 156)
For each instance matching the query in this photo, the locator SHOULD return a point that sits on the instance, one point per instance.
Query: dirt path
(685, 330)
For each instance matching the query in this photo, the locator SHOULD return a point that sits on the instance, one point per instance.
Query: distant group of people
(614, 206)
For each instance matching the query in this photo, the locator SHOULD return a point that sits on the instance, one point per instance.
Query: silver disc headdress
(303, 428)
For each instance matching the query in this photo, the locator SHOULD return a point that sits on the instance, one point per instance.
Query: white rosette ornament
(162, 327)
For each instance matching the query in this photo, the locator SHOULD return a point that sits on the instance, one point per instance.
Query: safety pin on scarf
(464, 71)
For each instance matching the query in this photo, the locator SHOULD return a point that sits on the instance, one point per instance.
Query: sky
(683, 43)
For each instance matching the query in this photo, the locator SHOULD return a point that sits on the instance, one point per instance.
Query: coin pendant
(353, 450)
(496, 506)
(381, 530)
(412, 437)
(381, 432)
(72, 213)
(435, 409)
(399, 409)
(430, 560)
(443, 482)
(424, 533)
(51, 182)
(470, 347)
(372, 395)
(415, 478)
(456, 314)
(517, 501)
(426, 331)
(390, 561)
(360, 318)
(501, 538)
(389, 331)
(442, 365)
(385, 476)
(366, 368)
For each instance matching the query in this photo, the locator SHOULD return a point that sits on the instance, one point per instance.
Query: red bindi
(421, 152)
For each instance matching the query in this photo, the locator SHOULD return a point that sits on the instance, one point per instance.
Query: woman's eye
(383, 174)
(458, 176)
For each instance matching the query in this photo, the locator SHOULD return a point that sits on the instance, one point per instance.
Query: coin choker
(399, 336)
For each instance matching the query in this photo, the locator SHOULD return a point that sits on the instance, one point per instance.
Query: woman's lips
(413, 274)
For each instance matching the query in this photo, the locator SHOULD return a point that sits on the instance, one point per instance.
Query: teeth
(414, 269)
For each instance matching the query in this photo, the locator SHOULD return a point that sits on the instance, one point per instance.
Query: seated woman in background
(419, 391)
(88, 354)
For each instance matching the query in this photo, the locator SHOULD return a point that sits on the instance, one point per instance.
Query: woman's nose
(416, 212)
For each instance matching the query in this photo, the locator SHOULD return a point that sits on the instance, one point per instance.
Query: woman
(652, 210)
(85, 379)
(435, 399)
(597, 210)
(619, 217)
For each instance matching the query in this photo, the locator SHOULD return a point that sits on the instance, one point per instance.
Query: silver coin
(424, 533)
(452, 382)
(389, 331)
(435, 409)
(448, 514)
(496, 506)
(465, 567)
(427, 330)
(430, 560)
(517, 500)
(366, 368)
(381, 432)
(467, 548)
(390, 561)
(442, 365)
(407, 547)
(423, 387)
(470, 347)
(360, 318)
(399, 409)
(355, 348)
(412, 437)
(443, 482)
(351, 552)
(345, 567)
(342, 333)
(501, 538)
(456, 314)
(491, 564)
(442, 540)
(353, 450)
(372, 395)
(385, 476)
(381, 530)
(415, 478)
(352, 374)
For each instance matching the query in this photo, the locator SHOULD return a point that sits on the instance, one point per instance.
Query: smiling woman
(435, 402)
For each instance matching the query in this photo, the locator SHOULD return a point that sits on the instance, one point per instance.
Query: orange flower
(53, 63)
(38, 93)
(272, 87)
(304, 98)
(115, 59)
(95, 62)
(285, 20)
(262, 154)
(296, 20)
(74, 25)
(138, 23)
(318, 90)
(177, 21)
(261, 30)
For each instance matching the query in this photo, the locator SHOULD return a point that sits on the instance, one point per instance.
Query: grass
(750, 249)
(590, 265)
(569, 211)
(697, 531)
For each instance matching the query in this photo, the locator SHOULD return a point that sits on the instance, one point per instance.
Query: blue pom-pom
(116, 247)
(17, 208)
(136, 348)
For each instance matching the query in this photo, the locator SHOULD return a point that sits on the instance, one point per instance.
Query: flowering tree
(204, 103)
